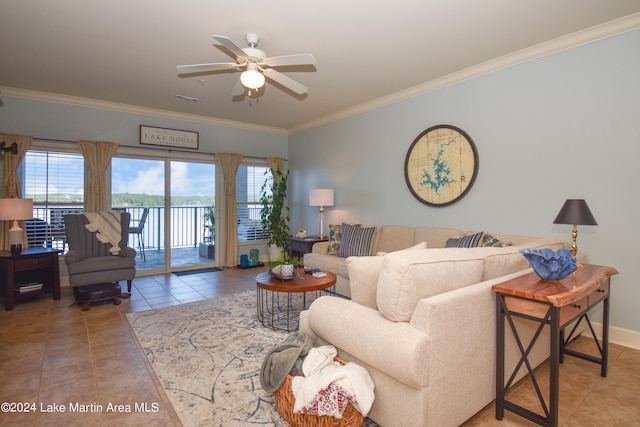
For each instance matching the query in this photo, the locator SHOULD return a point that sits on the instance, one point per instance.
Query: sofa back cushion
(409, 276)
(364, 273)
(436, 237)
(502, 262)
(395, 237)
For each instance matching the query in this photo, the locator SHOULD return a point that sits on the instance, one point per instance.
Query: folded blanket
(318, 358)
(107, 227)
(329, 390)
(283, 359)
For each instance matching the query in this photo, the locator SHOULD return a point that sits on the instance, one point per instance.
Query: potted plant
(284, 267)
(274, 214)
(207, 247)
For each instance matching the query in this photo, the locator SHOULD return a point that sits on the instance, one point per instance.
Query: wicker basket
(284, 402)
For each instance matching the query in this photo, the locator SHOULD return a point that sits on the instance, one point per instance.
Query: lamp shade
(16, 209)
(321, 197)
(575, 211)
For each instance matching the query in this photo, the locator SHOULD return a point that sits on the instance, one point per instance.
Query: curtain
(11, 183)
(97, 155)
(275, 163)
(229, 163)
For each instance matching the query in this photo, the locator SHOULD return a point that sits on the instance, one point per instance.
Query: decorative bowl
(282, 272)
(550, 265)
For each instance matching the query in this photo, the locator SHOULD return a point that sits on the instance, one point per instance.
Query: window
(55, 182)
(249, 180)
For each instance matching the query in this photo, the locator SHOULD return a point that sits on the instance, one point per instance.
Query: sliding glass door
(172, 205)
(138, 187)
(192, 219)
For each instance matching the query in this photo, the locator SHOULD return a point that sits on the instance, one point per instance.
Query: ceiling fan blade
(200, 68)
(226, 42)
(301, 59)
(285, 81)
(238, 89)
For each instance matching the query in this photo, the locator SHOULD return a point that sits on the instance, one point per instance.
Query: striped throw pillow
(356, 240)
(470, 241)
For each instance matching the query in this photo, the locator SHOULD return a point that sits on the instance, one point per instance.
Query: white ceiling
(367, 51)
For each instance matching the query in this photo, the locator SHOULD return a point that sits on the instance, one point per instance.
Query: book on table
(27, 286)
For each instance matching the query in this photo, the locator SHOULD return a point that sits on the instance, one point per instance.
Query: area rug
(208, 355)
(201, 270)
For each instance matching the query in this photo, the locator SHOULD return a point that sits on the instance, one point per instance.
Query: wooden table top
(579, 284)
(302, 282)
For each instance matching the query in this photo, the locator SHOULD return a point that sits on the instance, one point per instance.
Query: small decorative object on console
(550, 265)
(302, 233)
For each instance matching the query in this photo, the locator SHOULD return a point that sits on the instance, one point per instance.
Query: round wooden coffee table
(279, 302)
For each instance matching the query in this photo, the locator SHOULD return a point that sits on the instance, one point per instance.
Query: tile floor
(51, 353)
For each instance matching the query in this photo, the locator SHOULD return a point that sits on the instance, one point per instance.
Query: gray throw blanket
(283, 359)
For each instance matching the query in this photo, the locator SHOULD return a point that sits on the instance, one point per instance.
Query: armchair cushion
(102, 263)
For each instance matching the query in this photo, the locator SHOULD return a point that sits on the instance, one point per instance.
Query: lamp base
(320, 232)
(15, 238)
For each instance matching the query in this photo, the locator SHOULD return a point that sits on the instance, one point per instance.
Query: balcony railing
(188, 225)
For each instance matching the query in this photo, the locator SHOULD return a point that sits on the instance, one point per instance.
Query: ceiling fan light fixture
(252, 78)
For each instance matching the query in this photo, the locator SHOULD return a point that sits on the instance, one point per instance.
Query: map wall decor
(441, 165)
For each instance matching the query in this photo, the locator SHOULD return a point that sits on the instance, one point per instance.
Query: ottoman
(87, 294)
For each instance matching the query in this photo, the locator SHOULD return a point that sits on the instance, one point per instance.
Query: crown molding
(603, 31)
(590, 35)
(133, 109)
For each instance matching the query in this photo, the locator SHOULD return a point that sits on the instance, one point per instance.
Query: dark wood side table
(32, 265)
(299, 247)
(556, 304)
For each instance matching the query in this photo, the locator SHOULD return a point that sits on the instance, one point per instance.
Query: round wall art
(441, 165)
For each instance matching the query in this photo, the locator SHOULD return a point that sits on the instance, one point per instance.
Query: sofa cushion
(356, 240)
(409, 276)
(506, 261)
(469, 241)
(436, 237)
(364, 272)
(396, 237)
(335, 235)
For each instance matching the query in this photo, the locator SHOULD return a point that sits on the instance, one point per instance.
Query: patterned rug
(207, 356)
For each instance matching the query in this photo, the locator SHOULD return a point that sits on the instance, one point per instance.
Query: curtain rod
(170, 150)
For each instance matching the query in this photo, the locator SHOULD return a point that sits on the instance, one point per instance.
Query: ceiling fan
(254, 64)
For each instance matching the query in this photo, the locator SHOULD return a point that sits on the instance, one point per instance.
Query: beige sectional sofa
(422, 321)
(390, 238)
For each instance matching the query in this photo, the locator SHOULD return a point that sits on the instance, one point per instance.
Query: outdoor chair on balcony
(138, 229)
(96, 268)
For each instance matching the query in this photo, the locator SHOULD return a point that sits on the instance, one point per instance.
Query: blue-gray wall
(563, 126)
(66, 122)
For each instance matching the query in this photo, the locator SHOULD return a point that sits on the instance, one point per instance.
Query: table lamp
(321, 197)
(575, 212)
(16, 210)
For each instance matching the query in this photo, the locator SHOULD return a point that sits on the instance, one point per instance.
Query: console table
(557, 304)
(31, 265)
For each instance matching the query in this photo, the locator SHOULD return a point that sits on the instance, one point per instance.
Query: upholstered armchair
(93, 262)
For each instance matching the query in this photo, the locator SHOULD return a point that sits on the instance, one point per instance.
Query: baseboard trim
(620, 336)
